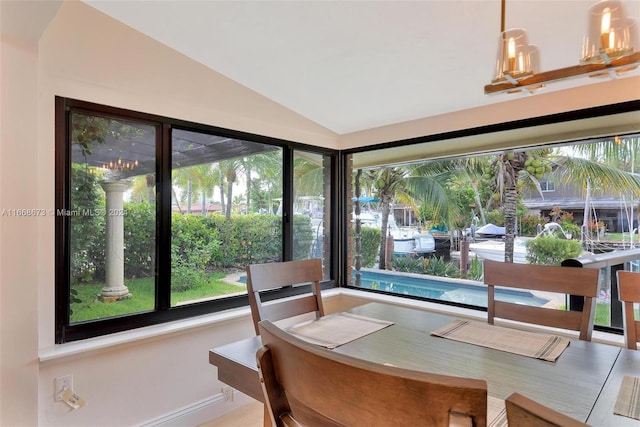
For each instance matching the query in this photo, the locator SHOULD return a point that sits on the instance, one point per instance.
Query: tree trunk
(222, 201)
(189, 192)
(248, 190)
(229, 199)
(386, 208)
(510, 204)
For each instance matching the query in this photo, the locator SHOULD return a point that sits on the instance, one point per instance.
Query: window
(157, 218)
(546, 186)
(410, 209)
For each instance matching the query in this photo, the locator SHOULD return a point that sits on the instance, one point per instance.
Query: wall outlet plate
(61, 384)
(227, 393)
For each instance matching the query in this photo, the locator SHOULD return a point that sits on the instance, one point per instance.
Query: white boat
(407, 241)
(493, 250)
(420, 244)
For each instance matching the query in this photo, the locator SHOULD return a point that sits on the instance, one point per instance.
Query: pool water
(444, 290)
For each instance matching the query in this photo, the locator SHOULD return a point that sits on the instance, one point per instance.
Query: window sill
(60, 351)
(76, 348)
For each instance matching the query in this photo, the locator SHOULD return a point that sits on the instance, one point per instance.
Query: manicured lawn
(143, 297)
(602, 316)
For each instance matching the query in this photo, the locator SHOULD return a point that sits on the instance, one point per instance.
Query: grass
(602, 316)
(143, 297)
(619, 237)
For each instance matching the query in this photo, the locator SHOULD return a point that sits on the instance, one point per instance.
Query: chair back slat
(320, 387)
(277, 274)
(270, 276)
(629, 293)
(565, 280)
(537, 315)
(545, 278)
(293, 306)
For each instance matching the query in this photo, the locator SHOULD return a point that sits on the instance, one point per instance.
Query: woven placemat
(531, 344)
(338, 329)
(628, 401)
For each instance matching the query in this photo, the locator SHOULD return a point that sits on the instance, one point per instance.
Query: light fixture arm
(608, 50)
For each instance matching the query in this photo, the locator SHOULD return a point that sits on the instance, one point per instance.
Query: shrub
(192, 247)
(529, 225)
(139, 239)
(475, 270)
(87, 230)
(550, 250)
(253, 238)
(437, 266)
(303, 236)
(369, 245)
(495, 217)
(408, 264)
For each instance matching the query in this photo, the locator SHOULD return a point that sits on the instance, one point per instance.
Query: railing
(610, 263)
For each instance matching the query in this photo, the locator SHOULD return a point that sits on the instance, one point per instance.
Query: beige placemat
(338, 329)
(628, 401)
(496, 412)
(539, 346)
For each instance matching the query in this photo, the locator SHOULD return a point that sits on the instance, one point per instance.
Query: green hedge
(370, 244)
(193, 248)
(198, 244)
(550, 250)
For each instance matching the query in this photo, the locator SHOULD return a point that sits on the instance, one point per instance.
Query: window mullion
(163, 231)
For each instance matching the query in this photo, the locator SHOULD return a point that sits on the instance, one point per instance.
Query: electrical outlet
(62, 383)
(227, 392)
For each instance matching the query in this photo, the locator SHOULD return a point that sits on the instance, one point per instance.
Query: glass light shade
(516, 59)
(609, 33)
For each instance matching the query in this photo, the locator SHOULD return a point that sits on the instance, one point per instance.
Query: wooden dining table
(582, 383)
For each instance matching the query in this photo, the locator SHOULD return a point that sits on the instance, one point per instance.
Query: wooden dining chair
(629, 293)
(266, 277)
(524, 412)
(565, 280)
(309, 385)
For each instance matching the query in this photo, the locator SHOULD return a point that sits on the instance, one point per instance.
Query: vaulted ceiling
(356, 65)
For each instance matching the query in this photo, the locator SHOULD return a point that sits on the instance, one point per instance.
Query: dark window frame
(569, 116)
(163, 311)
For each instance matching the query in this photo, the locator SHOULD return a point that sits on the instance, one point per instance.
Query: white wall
(83, 54)
(18, 235)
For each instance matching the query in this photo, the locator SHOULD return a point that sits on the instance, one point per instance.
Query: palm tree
(205, 178)
(267, 166)
(229, 171)
(184, 179)
(308, 176)
(409, 183)
(511, 167)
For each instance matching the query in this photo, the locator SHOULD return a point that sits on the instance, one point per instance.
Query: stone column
(114, 250)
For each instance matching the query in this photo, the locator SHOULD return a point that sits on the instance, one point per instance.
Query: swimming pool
(442, 289)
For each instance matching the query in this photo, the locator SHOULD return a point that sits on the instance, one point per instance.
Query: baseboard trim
(200, 412)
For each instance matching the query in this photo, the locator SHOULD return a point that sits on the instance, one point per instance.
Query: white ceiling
(355, 65)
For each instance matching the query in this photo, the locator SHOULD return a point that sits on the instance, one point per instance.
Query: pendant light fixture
(516, 58)
(609, 48)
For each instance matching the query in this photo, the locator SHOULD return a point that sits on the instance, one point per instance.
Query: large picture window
(157, 219)
(422, 228)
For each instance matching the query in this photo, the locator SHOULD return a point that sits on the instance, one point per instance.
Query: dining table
(583, 382)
